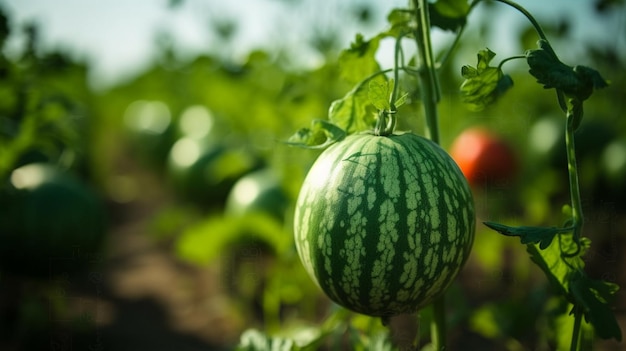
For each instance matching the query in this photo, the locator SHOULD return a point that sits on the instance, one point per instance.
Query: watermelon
(383, 224)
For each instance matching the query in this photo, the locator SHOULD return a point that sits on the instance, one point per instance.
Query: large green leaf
(576, 82)
(562, 262)
(355, 111)
(558, 267)
(359, 61)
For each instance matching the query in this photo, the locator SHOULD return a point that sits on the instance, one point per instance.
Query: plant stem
(572, 168)
(428, 76)
(387, 119)
(396, 73)
(578, 316)
(443, 60)
(429, 88)
(516, 57)
(438, 325)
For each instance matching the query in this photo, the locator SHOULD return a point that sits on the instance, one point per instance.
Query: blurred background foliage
(183, 164)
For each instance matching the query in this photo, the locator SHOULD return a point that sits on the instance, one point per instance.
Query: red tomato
(483, 157)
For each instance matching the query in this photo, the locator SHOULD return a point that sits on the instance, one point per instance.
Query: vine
(374, 102)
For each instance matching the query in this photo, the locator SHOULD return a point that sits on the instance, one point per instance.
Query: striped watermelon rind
(383, 224)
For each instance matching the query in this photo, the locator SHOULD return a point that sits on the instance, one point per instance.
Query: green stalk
(396, 73)
(578, 316)
(429, 85)
(516, 57)
(438, 324)
(387, 119)
(457, 39)
(574, 113)
(530, 17)
(572, 168)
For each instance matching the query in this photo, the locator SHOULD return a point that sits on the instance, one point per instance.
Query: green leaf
(402, 100)
(563, 265)
(254, 340)
(594, 297)
(359, 61)
(556, 266)
(483, 84)
(379, 92)
(321, 134)
(207, 240)
(401, 21)
(577, 82)
(529, 235)
(355, 112)
(448, 14)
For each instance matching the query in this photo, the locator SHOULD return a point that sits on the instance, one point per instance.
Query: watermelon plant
(557, 250)
(385, 219)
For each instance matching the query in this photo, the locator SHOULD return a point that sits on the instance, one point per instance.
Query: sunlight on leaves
(557, 267)
(320, 135)
(255, 340)
(562, 262)
(401, 21)
(379, 92)
(449, 14)
(207, 240)
(355, 112)
(483, 84)
(359, 61)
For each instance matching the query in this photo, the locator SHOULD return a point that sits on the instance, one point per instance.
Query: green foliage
(321, 134)
(359, 60)
(449, 14)
(379, 94)
(557, 251)
(577, 82)
(254, 340)
(362, 332)
(354, 112)
(484, 83)
(560, 258)
(401, 21)
(530, 235)
(42, 107)
(48, 112)
(206, 240)
(562, 262)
